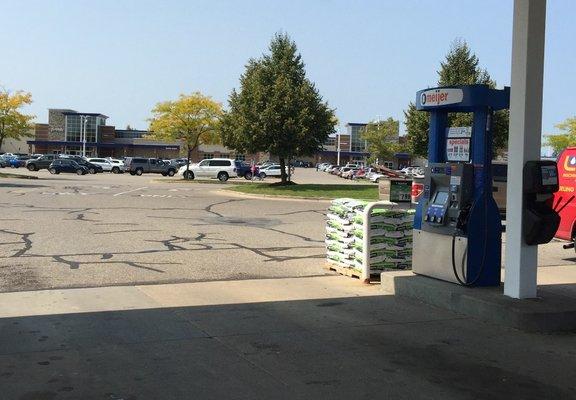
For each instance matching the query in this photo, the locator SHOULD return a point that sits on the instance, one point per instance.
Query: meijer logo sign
(440, 97)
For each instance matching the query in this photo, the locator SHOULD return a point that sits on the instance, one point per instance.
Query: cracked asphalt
(104, 230)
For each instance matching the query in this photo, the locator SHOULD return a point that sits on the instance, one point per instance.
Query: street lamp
(338, 149)
(83, 122)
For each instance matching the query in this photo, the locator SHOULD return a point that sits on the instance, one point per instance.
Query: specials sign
(458, 149)
(440, 97)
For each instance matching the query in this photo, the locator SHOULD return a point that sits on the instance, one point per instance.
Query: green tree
(560, 141)
(461, 67)
(382, 138)
(13, 123)
(277, 109)
(191, 119)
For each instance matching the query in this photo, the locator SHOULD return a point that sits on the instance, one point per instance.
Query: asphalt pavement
(103, 230)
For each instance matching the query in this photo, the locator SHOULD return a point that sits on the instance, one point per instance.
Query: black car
(67, 165)
(42, 162)
(92, 168)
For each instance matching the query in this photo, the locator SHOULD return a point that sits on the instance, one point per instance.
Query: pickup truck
(139, 166)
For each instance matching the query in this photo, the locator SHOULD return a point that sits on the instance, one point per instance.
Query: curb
(17, 176)
(271, 196)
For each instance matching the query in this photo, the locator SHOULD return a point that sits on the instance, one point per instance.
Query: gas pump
(457, 226)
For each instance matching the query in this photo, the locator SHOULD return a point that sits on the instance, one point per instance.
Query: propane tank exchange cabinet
(457, 226)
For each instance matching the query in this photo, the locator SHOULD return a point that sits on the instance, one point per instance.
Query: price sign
(458, 149)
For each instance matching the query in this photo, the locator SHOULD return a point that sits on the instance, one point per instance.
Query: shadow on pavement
(343, 348)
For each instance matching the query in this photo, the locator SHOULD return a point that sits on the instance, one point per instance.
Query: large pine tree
(277, 109)
(461, 67)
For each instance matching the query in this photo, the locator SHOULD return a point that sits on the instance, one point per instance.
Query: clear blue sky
(368, 58)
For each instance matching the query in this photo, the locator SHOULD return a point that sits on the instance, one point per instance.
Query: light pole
(338, 150)
(83, 122)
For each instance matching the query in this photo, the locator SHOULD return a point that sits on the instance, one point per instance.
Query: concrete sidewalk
(297, 338)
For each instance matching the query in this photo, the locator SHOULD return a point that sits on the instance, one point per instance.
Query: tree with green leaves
(461, 67)
(191, 119)
(565, 139)
(382, 138)
(277, 109)
(13, 123)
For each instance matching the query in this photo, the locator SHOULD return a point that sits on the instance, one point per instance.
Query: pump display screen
(549, 175)
(441, 198)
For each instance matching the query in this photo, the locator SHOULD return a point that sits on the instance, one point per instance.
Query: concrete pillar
(524, 139)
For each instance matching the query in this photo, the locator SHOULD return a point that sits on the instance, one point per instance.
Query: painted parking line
(130, 191)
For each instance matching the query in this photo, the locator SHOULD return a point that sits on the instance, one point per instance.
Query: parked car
(118, 163)
(348, 173)
(360, 174)
(244, 170)
(18, 161)
(107, 165)
(219, 168)
(271, 170)
(42, 162)
(375, 177)
(4, 162)
(179, 162)
(370, 172)
(343, 170)
(67, 165)
(301, 163)
(139, 166)
(92, 168)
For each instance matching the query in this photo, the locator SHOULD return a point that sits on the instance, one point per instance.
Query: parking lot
(100, 230)
(103, 230)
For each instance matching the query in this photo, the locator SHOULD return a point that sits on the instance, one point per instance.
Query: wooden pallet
(353, 273)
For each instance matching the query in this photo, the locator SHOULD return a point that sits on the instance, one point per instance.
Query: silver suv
(219, 168)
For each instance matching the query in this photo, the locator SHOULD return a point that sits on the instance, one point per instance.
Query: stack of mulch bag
(390, 236)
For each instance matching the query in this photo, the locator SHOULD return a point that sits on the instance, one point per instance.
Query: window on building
(208, 156)
(73, 150)
(241, 157)
(330, 142)
(357, 143)
(130, 134)
(75, 125)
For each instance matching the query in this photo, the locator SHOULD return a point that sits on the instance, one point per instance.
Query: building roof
(72, 112)
(106, 144)
(356, 124)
